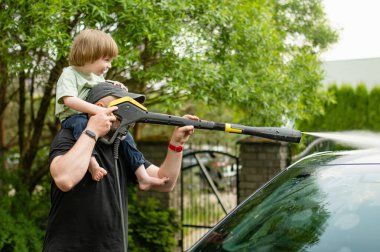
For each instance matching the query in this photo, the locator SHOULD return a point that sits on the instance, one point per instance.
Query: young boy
(90, 57)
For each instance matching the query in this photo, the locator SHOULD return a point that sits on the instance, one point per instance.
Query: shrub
(150, 227)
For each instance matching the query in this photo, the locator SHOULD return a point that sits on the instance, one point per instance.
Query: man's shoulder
(61, 143)
(63, 136)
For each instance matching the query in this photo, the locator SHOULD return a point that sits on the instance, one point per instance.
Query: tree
(240, 53)
(259, 58)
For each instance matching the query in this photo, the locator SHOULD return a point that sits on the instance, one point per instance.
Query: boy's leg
(77, 123)
(146, 181)
(136, 159)
(97, 172)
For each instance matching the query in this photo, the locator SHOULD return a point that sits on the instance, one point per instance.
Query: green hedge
(374, 109)
(351, 109)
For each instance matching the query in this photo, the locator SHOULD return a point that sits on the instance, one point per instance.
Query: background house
(353, 72)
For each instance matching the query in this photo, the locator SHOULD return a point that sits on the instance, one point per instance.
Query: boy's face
(100, 66)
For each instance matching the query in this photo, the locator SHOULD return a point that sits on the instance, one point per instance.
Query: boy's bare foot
(147, 182)
(97, 172)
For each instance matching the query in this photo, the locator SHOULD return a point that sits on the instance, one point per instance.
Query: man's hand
(171, 166)
(101, 122)
(181, 134)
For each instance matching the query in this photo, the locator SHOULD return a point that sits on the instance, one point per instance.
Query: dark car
(325, 202)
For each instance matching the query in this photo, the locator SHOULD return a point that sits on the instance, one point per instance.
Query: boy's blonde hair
(90, 45)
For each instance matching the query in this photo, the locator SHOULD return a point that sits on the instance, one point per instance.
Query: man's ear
(100, 104)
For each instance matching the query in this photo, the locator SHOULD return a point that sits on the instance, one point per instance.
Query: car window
(310, 207)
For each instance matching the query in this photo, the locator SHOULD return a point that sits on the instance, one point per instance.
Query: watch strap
(91, 134)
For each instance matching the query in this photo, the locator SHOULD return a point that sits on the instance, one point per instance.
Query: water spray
(358, 139)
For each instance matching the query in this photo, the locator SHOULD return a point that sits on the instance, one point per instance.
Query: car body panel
(325, 202)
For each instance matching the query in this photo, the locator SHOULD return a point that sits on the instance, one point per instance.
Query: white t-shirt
(73, 83)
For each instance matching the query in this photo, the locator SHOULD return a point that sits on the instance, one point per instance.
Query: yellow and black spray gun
(130, 111)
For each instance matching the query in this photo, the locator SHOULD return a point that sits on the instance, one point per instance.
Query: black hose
(123, 213)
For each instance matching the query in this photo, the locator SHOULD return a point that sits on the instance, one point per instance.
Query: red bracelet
(175, 148)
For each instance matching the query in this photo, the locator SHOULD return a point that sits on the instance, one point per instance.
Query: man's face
(115, 125)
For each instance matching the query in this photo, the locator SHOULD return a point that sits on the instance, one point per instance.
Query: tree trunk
(31, 178)
(21, 112)
(32, 148)
(3, 104)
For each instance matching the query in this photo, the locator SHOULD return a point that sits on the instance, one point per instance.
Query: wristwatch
(175, 148)
(91, 134)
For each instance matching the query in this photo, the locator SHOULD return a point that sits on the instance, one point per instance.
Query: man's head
(91, 45)
(105, 89)
(104, 93)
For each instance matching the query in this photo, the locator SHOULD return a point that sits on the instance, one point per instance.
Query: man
(85, 214)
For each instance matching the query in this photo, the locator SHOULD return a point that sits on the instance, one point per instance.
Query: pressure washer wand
(281, 134)
(130, 111)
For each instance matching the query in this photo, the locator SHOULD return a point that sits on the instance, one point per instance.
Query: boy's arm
(81, 105)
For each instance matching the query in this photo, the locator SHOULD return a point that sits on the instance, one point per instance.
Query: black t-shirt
(87, 218)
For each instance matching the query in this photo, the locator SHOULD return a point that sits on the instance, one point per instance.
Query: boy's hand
(119, 84)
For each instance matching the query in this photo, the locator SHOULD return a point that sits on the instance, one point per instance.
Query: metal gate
(209, 190)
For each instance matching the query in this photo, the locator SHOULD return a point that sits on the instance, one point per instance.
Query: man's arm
(68, 169)
(171, 166)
